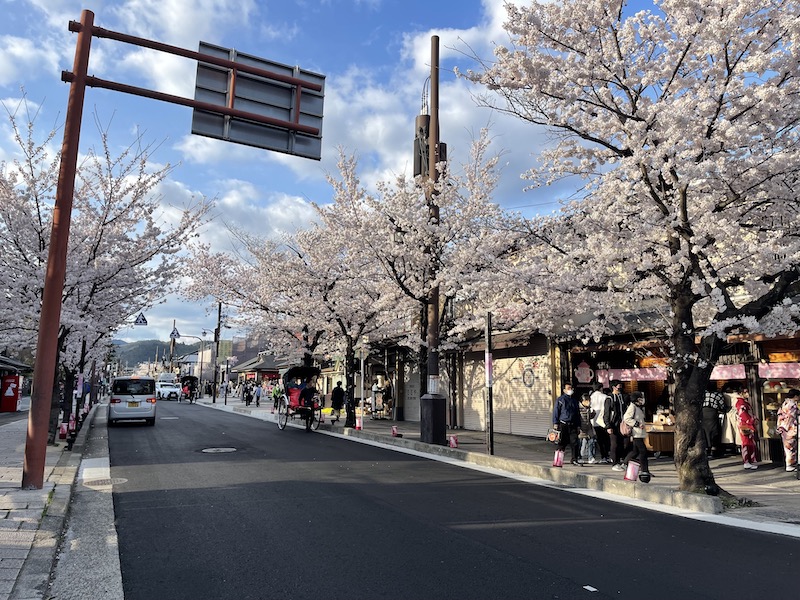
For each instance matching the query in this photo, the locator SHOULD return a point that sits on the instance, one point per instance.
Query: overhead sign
(174, 334)
(285, 99)
(140, 320)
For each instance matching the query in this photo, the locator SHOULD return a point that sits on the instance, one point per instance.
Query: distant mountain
(133, 353)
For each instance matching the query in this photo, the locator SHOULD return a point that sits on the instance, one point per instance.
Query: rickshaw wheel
(317, 416)
(283, 413)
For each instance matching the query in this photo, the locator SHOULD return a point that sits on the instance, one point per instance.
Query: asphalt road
(298, 515)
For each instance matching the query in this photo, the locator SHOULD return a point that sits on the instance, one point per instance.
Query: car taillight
(151, 400)
(116, 400)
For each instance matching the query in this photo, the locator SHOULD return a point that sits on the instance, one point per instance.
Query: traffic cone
(358, 423)
(394, 430)
(453, 441)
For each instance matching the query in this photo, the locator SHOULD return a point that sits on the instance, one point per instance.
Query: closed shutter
(521, 395)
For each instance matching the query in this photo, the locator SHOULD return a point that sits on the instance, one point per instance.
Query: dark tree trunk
(350, 383)
(422, 355)
(691, 368)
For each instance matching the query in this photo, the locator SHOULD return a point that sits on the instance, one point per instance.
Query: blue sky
(375, 56)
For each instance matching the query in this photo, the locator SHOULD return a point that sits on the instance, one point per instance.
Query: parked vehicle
(132, 399)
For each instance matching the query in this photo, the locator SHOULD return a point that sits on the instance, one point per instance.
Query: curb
(34, 577)
(640, 491)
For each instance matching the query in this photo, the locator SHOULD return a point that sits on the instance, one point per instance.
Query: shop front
(640, 366)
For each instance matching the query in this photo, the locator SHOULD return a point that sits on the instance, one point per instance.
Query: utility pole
(433, 406)
(44, 370)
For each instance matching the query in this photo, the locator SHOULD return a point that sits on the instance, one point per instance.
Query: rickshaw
(291, 406)
(193, 383)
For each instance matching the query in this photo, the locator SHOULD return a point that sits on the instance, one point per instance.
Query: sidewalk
(771, 495)
(31, 521)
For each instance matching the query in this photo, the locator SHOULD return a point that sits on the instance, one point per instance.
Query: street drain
(104, 482)
(217, 450)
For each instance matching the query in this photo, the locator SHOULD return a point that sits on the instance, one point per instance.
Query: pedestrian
(307, 393)
(387, 397)
(248, 394)
(277, 392)
(337, 401)
(374, 397)
(598, 403)
(613, 411)
(586, 435)
(634, 418)
(747, 429)
(787, 427)
(567, 420)
(714, 406)
(257, 395)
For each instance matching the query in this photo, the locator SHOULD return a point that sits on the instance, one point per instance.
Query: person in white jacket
(634, 417)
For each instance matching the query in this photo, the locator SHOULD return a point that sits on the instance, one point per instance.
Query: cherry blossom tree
(682, 121)
(310, 292)
(366, 268)
(125, 248)
(415, 252)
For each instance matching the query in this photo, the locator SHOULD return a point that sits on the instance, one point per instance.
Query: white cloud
(183, 22)
(21, 57)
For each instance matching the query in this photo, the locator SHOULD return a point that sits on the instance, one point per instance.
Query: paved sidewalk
(21, 511)
(770, 495)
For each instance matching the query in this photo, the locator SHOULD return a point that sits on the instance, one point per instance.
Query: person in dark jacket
(612, 416)
(337, 401)
(567, 420)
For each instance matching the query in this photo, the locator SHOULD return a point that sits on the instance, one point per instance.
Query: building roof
(259, 363)
(9, 364)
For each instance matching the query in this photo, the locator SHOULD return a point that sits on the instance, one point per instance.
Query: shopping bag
(553, 435)
(558, 458)
(632, 472)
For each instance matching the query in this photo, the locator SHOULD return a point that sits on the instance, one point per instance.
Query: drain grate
(217, 450)
(104, 482)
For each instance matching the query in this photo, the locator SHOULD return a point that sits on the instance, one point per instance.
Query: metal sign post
(44, 370)
(47, 344)
(489, 385)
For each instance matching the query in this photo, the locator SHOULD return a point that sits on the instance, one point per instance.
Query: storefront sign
(728, 372)
(779, 371)
(648, 374)
(584, 373)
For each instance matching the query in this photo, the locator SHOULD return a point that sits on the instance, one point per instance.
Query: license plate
(133, 405)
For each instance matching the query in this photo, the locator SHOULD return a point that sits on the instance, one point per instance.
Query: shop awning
(9, 364)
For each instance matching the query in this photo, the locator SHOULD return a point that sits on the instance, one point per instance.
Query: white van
(132, 399)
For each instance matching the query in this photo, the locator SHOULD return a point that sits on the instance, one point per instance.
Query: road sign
(140, 320)
(287, 99)
(174, 334)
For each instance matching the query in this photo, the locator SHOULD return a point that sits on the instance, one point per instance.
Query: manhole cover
(104, 482)
(218, 450)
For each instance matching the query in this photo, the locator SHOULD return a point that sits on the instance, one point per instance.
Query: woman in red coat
(747, 428)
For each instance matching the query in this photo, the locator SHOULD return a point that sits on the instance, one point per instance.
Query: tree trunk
(422, 355)
(691, 368)
(350, 383)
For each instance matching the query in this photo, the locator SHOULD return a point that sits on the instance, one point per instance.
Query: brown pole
(433, 153)
(49, 322)
(433, 408)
